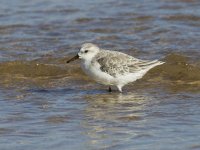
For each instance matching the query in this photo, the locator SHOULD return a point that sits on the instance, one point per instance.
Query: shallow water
(48, 104)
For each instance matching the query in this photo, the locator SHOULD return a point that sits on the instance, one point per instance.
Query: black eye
(86, 51)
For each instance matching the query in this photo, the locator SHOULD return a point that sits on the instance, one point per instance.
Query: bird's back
(116, 63)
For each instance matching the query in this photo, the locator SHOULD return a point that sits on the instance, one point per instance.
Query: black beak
(72, 59)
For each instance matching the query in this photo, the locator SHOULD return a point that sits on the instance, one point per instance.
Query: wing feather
(117, 63)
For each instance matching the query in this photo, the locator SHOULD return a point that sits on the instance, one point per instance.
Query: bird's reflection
(111, 117)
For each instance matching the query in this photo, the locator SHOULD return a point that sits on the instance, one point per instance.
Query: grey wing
(116, 64)
(143, 64)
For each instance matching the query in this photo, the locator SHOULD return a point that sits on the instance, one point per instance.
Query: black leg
(110, 90)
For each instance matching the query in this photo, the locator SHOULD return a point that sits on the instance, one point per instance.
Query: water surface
(48, 104)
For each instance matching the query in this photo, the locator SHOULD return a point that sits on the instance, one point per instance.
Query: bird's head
(87, 52)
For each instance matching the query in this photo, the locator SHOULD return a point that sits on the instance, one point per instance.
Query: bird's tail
(154, 63)
(147, 65)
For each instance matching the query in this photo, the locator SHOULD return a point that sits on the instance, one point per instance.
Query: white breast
(93, 70)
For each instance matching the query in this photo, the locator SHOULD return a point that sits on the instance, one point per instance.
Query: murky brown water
(48, 104)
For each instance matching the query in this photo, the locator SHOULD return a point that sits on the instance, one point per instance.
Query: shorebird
(112, 68)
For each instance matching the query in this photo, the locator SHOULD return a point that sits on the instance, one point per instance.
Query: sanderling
(112, 67)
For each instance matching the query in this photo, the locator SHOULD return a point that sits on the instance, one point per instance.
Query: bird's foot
(109, 90)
